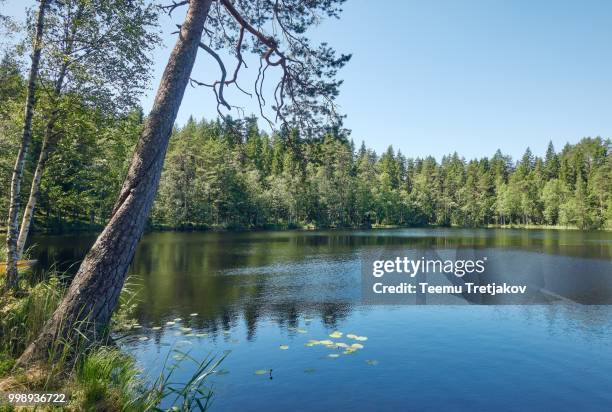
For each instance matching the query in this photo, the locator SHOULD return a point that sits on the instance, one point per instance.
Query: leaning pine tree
(304, 95)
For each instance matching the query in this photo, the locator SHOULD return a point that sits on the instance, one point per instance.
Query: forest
(79, 153)
(229, 174)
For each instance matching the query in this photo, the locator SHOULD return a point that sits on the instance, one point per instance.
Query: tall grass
(99, 377)
(22, 319)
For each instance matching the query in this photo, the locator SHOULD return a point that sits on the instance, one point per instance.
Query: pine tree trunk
(94, 292)
(12, 276)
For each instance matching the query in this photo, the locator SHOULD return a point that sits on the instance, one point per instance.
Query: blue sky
(433, 77)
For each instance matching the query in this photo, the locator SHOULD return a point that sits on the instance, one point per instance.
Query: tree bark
(12, 276)
(94, 292)
(49, 141)
(28, 212)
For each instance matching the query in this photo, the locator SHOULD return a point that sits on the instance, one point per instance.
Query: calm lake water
(250, 293)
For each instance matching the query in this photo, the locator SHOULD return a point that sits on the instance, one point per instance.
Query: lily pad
(143, 338)
(201, 335)
(361, 338)
(333, 355)
(357, 346)
(186, 329)
(178, 319)
(335, 335)
(193, 314)
(156, 328)
(283, 347)
(170, 323)
(326, 342)
(302, 331)
(342, 345)
(261, 371)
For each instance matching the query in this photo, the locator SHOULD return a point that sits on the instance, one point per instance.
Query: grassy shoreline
(99, 377)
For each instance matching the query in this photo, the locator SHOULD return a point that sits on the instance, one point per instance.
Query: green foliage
(21, 319)
(229, 174)
(241, 177)
(106, 379)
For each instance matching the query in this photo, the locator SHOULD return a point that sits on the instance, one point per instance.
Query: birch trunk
(94, 292)
(12, 276)
(28, 212)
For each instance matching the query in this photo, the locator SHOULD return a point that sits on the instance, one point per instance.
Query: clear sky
(436, 76)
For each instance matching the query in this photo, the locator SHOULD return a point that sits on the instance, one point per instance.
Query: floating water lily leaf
(178, 319)
(314, 341)
(193, 314)
(170, 323)
(332, 346)
(351, 336)
(201, 335)
(307, 320)
(333, 355)
(261, 371)
(143, 338)
(284, 347)
(190, 334)
(309, 344)
(342, 345)
(357, 346)
(371, 362)
(326, 342)
(335, 335)
(186, 329)
(302, 331)
(156, 328)
(349, 351)
(361, 338)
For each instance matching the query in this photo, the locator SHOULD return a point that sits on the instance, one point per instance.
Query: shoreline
(309, 228)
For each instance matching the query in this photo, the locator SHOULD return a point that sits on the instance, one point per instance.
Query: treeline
(230, 174)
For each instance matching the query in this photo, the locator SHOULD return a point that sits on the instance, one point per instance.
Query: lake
(251, 293)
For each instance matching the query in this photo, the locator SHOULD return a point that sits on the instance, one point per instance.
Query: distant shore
(80, 229)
